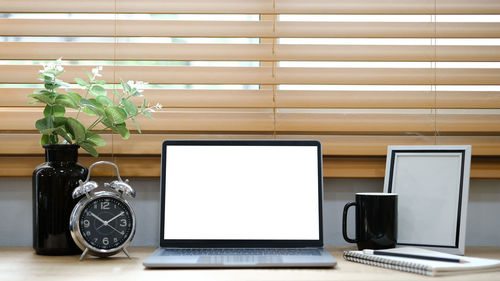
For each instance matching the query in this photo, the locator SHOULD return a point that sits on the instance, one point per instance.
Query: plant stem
(54, 139)
(80, 107)
(130, 117)
(94, 124)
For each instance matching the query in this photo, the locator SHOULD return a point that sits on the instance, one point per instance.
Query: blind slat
(346, 145)
(388, 7)
(185, 120)
(172, 98)
(340, 167)
(264, 75)
(17, 97)
(144, 6)
(387, 123)
(243, 52)
(264, 28)
(256, 6)
(470, 123)
(388, 99)
(354, 99)
(464, 99)
(358, 123)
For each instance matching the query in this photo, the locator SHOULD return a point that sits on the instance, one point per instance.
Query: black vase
(53, 184)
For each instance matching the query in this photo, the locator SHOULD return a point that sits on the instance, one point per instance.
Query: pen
(412, 256)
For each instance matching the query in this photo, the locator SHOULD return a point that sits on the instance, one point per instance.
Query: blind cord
(274, 62)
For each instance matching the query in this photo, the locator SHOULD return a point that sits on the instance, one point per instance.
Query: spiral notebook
(424, 267)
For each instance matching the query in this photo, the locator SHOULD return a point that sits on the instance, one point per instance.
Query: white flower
(138, 86)
(154, 108)
(96, 70)
(158, 106)
(57, 66)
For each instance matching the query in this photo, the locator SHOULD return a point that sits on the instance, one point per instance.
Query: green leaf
(105, 121)
(97, 90)
(61, 132)
(122, 130)
(63, 122)
(44, 97)
(48, 110)
(45, 125)
(76, 129)
(47, 77)
(116, 114)
(104, 100)
(74, 96)
(93, 105)
(94, 139)
(117, 94)
(130, 107)
(58, 110)
(136, 125)
(52, 72)
(89, 148)
(82, 82)
(89, 111)
(45, 140)
(51, 85)
(125, 86)
(136, 93)
(89, 76)
(61, 83)
(60, 121)
(55, 110)
(100, 82)
(143, 104)
(148, 114)
(66, 101)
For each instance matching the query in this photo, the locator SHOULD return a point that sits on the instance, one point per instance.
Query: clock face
(106, 223)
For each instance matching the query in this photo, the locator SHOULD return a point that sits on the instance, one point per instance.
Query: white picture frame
(432, 183)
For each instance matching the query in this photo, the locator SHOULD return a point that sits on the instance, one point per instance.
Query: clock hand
(113, 218)
(98, 218)
(115, 229)
(108, 221)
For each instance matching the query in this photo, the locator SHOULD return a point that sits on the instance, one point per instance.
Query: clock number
(123, 222)
(105, 241)
(86, 223)
(88, 233)
(104, 205)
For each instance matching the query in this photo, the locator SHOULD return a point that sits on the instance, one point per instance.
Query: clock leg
(126, 253)
(84, 254)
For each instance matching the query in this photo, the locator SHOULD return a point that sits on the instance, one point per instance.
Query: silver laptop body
(241, 203)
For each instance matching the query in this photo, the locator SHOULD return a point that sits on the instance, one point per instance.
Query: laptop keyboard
(240, 256)
(241, 252)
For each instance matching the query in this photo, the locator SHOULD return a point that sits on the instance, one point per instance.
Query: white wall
(483, 224)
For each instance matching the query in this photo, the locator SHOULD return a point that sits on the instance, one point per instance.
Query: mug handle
(344, 223)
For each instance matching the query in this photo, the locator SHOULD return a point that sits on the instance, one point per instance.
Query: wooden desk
(20, 263)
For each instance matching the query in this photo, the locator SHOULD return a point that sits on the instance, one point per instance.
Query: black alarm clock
(103, 222)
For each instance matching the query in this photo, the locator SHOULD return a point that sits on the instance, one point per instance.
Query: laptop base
(168, 258)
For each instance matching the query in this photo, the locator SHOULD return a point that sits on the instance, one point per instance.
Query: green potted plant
(63, 134)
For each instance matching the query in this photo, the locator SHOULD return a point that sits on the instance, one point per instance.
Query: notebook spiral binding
(390, 264)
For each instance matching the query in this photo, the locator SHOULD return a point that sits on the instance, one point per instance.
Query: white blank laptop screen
(241, 192)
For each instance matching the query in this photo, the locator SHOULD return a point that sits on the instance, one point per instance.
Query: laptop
(241, 203)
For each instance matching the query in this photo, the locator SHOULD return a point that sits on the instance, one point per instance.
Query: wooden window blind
(358, 75)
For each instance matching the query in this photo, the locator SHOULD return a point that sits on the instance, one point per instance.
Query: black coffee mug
(376, 220)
